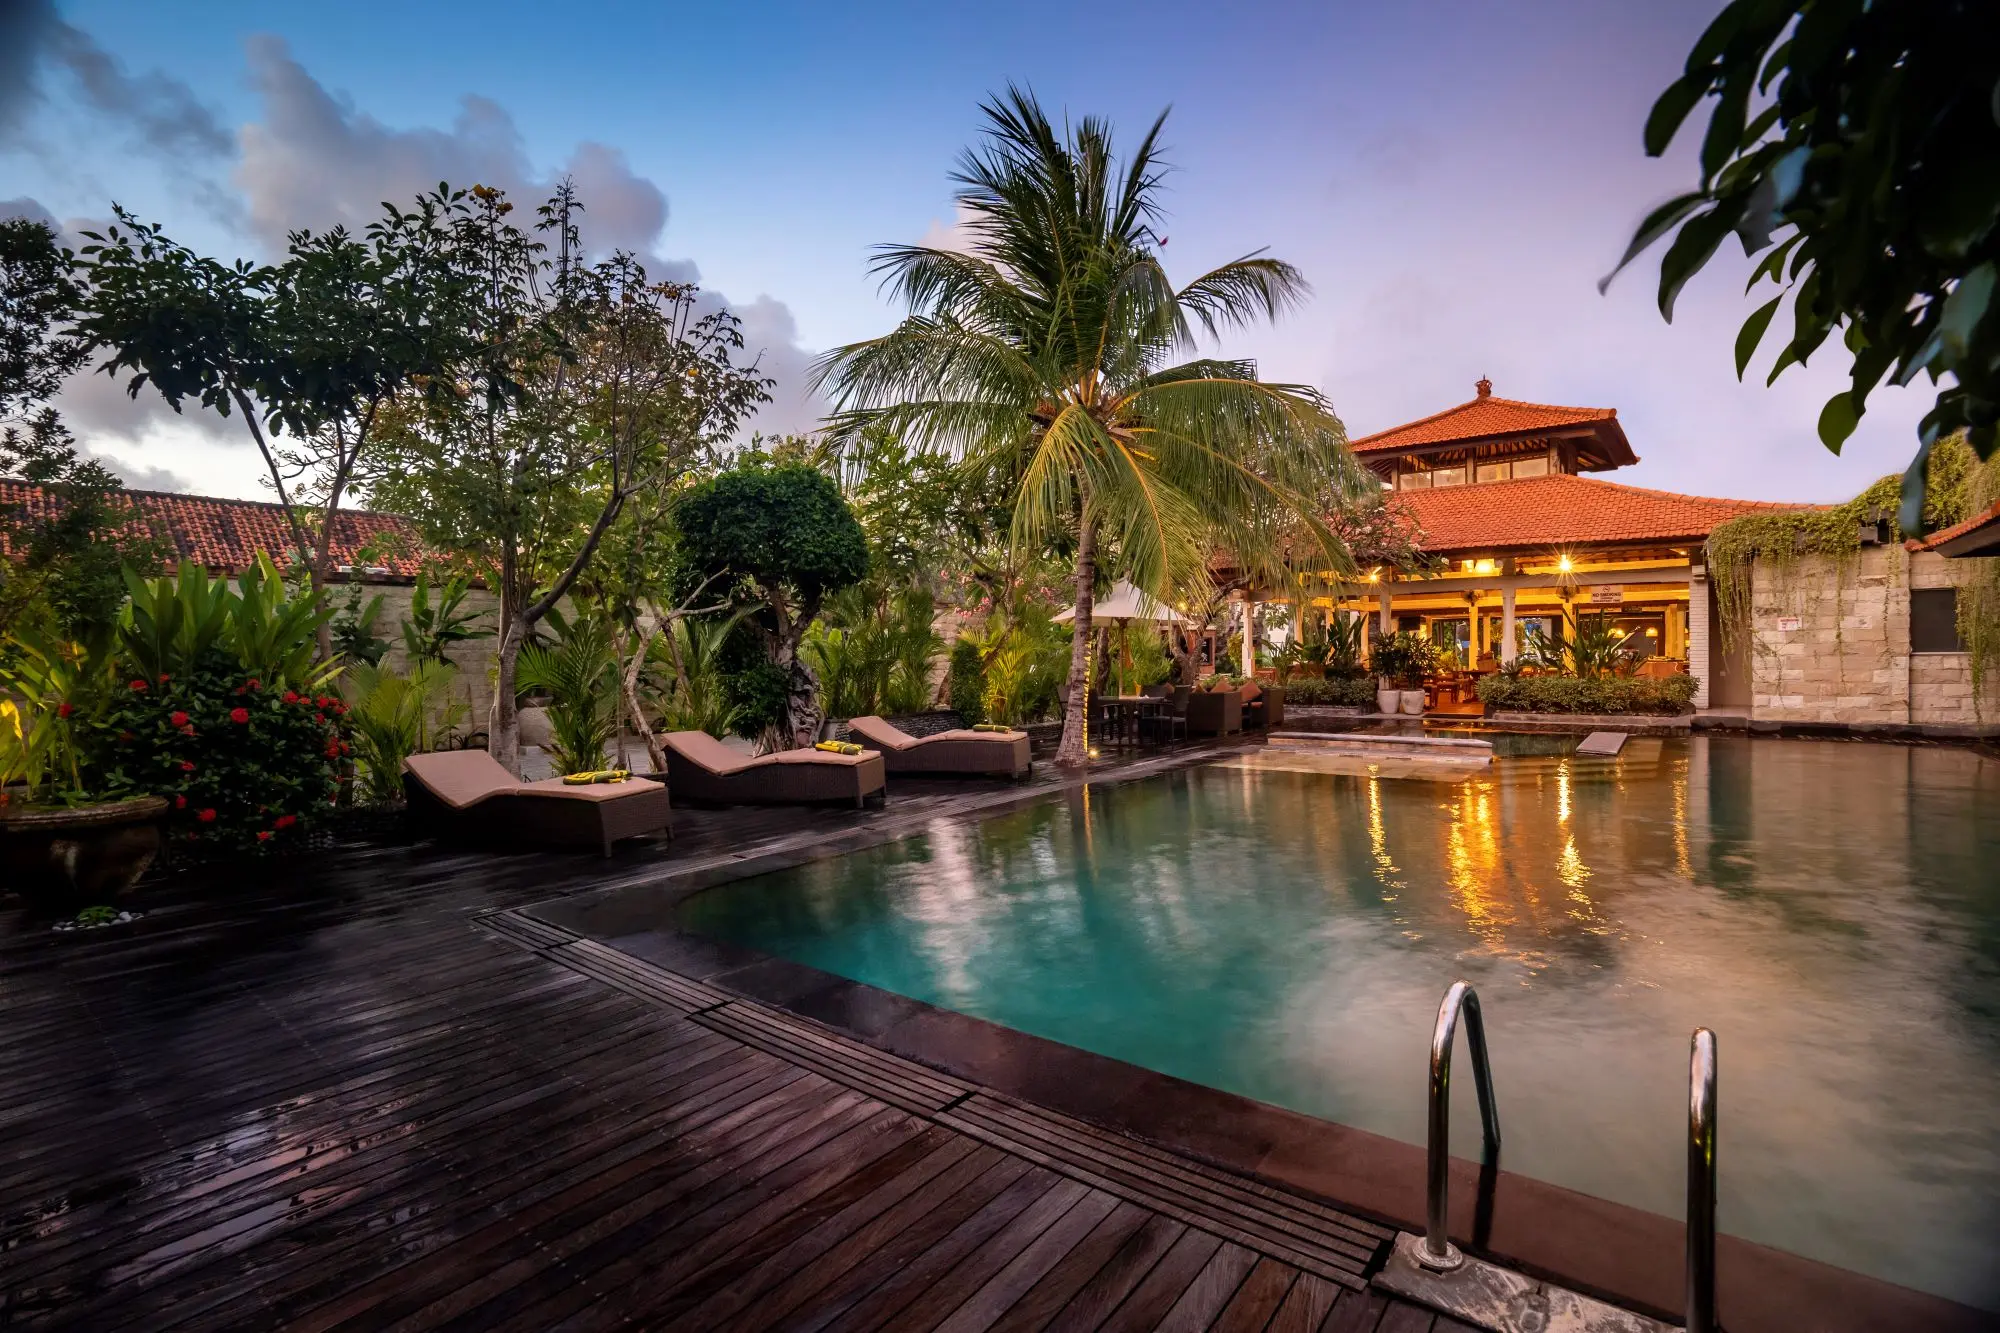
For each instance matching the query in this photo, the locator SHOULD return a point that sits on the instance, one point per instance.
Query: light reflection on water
(1831, 910)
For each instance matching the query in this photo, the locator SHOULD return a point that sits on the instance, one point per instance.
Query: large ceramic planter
(1388, 699)
(1413, 702)
(65, 859)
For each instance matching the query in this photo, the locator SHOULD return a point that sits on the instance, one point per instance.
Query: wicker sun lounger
(468, 793)
(702, 768)
(973, 753)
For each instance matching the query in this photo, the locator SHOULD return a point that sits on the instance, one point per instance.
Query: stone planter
(1413, 702)
(61, 860)
(1388, 699)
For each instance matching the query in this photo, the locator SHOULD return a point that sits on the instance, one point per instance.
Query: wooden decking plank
(1257, 1302)
(1149, 1302)
(1357, 1312)
(694, 994)
(1306, 1305)
(843, 1275)
(1212, 1289)
(984, 1306)
(1401, 1317)
(748, 1021)
(886, 1082)
(1126, 1269)
(1041, 1302)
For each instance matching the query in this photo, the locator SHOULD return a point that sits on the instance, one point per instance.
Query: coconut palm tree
(1044, 352)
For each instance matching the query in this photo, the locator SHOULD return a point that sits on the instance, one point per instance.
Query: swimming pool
(1831, 909)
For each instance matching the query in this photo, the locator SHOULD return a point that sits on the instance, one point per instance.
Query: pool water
(1831, 910)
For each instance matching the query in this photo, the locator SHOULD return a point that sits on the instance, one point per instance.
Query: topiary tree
(787, 539)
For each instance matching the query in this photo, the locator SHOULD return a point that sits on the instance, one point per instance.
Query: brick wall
(1831, 643)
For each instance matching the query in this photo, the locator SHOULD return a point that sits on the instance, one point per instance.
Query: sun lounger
(973, 753)
(702, 768)
(469, 794)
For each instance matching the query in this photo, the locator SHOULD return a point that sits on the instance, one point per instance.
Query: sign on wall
(1607, 596)
(1786, 624)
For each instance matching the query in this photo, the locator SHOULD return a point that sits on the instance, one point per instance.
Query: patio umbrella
(1122, 605)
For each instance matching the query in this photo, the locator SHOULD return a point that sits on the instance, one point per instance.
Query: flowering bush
(245, 767)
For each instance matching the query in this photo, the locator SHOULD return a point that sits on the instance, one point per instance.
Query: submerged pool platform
(1628, 1253)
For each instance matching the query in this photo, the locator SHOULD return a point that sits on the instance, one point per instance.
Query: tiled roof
(1978, 535)
(1484, 418)
(1560, 510)
(225, 535)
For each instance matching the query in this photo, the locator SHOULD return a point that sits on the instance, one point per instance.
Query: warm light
(1484, 567)
(1563, 564)
(1374, 576)
(1652, 632)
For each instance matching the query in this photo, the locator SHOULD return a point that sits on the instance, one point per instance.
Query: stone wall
(476, 660)
(1830, 643)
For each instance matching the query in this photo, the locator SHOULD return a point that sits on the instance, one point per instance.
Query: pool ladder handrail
(1437, 1252)
(1701, 1183)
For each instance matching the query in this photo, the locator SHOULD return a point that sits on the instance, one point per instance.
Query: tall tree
(314, 348)
(1856, 147)
(590, 385)
(1045, 354)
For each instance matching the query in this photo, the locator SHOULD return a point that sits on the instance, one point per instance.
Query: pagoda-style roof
(1539, 513)
(1598, 440)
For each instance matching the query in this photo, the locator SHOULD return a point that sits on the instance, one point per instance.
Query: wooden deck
(361, 1092)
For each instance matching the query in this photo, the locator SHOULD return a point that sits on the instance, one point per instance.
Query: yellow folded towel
(596, 775)
(990, 726)
(838, 747)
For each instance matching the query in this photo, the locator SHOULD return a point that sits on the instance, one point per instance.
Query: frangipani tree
(1045, 352)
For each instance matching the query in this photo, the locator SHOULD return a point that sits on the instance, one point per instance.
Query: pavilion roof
(1561, 510)
(1486, 419)
(225, 535)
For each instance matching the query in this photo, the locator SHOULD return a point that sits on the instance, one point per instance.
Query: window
(1494, 471)
(1537, 466)
(1448, 476)
(1414, 481)
(1934, 621)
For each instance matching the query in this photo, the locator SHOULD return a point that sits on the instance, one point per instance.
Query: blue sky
(1452, 178)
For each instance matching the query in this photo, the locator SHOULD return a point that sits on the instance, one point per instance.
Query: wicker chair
(467, 794)
(1215, 713)
(962, 752)
(702, 768)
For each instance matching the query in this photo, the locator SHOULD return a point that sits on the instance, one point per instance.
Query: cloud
(314, 159)
(162, 113)
(141, 478)
(26, 206)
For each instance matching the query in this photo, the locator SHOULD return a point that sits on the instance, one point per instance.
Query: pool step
(1385, 745)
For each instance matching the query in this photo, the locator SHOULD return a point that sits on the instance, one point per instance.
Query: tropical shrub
(1345, 691)
(1406, 658)
(695, 695)
(580, 675)
(247, 764)
(1515, 693)
(430, 629)
(965, 681)
(395, 716)
(1589, 647)
(353, 630)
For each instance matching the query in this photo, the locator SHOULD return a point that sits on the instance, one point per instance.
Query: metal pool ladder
(1436, 1254)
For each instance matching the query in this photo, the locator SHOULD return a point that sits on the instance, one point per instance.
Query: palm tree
(1043, 353)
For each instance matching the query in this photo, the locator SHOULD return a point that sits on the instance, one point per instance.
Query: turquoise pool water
(1832, 910)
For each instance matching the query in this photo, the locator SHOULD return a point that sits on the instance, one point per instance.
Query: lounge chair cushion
(1251, 692)
(701, 748)
(462, 778)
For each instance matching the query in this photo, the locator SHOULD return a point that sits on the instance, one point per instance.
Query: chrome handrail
(1437, 1252)
(1701, 1183)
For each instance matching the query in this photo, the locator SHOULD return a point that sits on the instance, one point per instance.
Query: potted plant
(1401, 662)
(62, 845)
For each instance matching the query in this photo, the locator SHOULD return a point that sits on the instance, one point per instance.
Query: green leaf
(1725, 124)
(1752, 332)
(1693, 248)
(1837, 421)
(1657, 224)
(1965, 309)
(1665, 119)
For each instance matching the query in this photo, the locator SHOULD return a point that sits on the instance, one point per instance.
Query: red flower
(322, 701)
(138, 684)
(345, 748)
(291, 696)
(206, 816)
(239, 715)
(333, 749)
(262, 834)
(286, 821)
(179, 719)
(180, 802)
(165, 679)
(320, 718)
(256, 684)
(187, 765)
(64, 710)
(188, 730)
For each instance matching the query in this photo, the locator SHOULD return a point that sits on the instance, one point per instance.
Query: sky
(1452, 177)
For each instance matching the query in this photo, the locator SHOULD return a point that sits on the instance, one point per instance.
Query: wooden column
(1507, 653)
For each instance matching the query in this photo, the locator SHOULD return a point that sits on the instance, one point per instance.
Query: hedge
(1357, 692)
(1606, 694)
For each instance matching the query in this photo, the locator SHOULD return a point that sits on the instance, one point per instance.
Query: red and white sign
(1611, 596)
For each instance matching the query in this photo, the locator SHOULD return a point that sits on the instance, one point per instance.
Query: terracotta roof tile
(225, 535)
(1989, 517)
(1479, 419)
(1564, 510)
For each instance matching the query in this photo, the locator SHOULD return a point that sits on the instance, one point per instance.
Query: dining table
(1122, 714)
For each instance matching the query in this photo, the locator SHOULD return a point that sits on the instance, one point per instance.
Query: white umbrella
(1125, 602)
